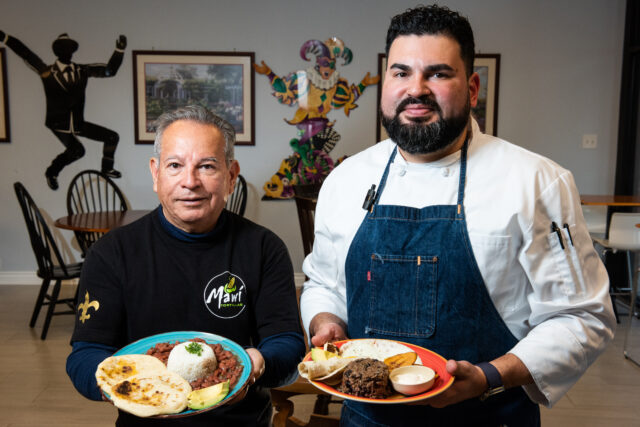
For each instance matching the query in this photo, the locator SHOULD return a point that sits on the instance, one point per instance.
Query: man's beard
(417, 137)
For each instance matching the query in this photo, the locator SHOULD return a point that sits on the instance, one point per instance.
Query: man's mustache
(422, 100)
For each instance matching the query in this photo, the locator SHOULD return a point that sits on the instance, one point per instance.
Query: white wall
(559, 79)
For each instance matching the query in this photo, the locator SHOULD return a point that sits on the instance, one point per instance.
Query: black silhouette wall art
(64, 86)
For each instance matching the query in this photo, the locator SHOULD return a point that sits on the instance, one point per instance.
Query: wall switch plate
(589, 141)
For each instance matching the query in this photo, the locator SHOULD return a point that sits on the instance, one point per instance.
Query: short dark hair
(435, 20)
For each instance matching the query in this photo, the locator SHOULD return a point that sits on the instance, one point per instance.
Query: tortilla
(319, 370)
(146, 396)
(378, 349)
(116, 369)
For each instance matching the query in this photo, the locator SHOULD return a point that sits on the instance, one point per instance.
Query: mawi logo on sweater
(225, 295)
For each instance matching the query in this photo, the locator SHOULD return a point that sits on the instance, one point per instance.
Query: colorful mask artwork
(316, 91)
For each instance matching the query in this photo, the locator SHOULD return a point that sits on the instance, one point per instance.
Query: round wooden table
(609, 200)
(99, 222)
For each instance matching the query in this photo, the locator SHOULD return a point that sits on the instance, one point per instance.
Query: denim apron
(412, 276)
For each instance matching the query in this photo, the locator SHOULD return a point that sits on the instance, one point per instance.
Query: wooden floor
(35, 389)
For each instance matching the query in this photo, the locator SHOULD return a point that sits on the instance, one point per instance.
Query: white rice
(192, 366)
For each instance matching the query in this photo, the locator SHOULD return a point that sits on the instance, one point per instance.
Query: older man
(470, 246)
(158, 274)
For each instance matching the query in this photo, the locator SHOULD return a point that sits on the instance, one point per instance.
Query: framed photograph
(486, 112)
(220, 81)
(5, 135)
(381, 132)
(487, 65)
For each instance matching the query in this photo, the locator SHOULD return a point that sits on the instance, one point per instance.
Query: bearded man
(457, 247)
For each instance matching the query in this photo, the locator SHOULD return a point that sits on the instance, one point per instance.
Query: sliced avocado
(208, 396)
(318, 354)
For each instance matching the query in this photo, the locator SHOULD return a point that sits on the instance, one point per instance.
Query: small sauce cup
(414, 379)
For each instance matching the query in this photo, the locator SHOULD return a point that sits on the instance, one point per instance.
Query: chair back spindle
(237, 201)
(93, 191)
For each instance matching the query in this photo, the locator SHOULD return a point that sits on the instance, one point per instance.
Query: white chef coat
(554, 300)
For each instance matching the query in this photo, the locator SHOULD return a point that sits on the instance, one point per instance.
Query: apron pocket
(402, 295)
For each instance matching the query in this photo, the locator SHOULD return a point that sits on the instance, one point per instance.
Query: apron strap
(383, 180)
(463, 175)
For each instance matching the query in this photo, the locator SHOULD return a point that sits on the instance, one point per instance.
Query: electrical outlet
(589, 141)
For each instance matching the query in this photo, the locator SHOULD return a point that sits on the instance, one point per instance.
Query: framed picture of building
(381, 132)
(5, 135)
(221, 81)
(487, 66)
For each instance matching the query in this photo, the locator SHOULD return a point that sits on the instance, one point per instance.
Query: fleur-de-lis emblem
(84, 307)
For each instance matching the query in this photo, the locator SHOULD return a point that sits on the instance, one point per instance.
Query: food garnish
(194, 348)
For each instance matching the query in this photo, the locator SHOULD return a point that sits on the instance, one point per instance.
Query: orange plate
(428, 358)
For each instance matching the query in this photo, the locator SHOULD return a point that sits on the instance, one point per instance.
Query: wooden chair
(305, 197)
(237, 201)
(308, 190)
(284, 407)
(93, 191)
(306, 216)
(43, 246)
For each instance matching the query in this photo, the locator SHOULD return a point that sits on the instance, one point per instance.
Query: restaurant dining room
(298, 89)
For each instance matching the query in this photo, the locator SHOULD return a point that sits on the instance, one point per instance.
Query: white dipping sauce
(410, 379)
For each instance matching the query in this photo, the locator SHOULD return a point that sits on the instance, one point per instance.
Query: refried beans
(229, 368)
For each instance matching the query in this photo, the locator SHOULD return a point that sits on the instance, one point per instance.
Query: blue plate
(141, 346)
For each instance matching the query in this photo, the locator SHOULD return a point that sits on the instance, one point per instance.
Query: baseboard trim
(24, 278)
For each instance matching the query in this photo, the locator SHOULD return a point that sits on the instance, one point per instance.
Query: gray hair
(198, 114)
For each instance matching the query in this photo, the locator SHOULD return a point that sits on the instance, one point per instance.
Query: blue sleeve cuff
(281, 353)
(82, 364)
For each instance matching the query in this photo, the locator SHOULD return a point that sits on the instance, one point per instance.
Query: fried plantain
(402, 359)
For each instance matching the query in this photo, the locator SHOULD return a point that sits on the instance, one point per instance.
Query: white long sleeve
(554, 301)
